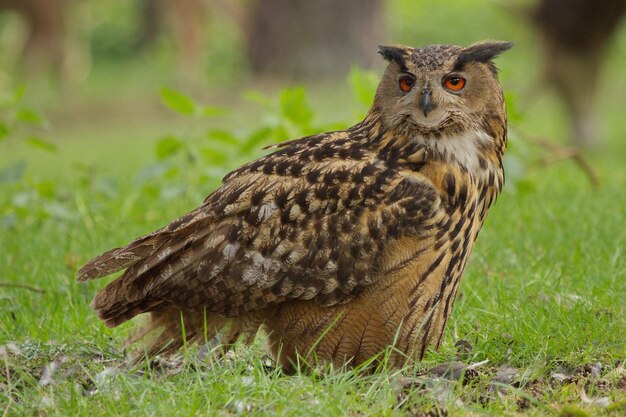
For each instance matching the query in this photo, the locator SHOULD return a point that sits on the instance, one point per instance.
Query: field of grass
(540, 318)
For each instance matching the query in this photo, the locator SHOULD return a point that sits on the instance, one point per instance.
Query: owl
(340, 245)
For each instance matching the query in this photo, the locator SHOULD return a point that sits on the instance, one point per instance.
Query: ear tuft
(481, 52)
(394, 54)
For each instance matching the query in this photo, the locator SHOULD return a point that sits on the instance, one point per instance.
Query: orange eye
(406, 84)
(454, 83)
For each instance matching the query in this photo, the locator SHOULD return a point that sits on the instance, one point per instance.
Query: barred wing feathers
(310, 221)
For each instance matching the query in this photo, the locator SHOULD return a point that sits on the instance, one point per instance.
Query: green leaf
(178, 102)
(171, 172)
(167, 147)
(364, 84)
(29, 116)
(39, 143)
(294, 106)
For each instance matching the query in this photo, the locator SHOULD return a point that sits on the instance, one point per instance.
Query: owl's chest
(440, 249)
(435, 258)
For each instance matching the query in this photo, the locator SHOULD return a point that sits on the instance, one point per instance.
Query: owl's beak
(426, 102)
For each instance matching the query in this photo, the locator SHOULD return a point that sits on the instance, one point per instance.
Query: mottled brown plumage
(340, 244)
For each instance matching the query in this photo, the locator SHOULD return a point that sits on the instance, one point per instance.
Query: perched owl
(338, 245)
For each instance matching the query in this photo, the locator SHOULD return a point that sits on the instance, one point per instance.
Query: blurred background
(117, 116)
(113, 86)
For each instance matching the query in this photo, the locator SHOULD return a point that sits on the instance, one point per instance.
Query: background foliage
(92, 163)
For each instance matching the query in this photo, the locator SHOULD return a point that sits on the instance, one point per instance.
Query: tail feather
(118, 258)
(163, 271)
(141, 289)
(156, 281)
(151, 265)
(191, 226)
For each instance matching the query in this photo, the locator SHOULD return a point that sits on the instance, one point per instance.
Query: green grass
(543, 293)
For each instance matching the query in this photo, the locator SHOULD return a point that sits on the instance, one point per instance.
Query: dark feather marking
(427, 305)
(281, 168)
(414, 326)
(257, 198)
(268, 167)
(369, 169)
(357, 349)
(426, 331)
(426, 273)
(462, 196)
(450, 184)
(296, 169)
(452, 292)
(313, 176)
(457, 228)
(336, 347)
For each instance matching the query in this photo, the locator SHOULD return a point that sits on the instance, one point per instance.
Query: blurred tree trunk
(575, 38)
(185, 22)
(313, 38)
(149, 23)
(43, 50)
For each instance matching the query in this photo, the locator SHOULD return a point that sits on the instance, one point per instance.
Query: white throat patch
(464, 148)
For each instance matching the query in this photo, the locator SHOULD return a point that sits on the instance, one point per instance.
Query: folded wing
(280, 228)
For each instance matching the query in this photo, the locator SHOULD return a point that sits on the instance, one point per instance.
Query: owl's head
(439, 89)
